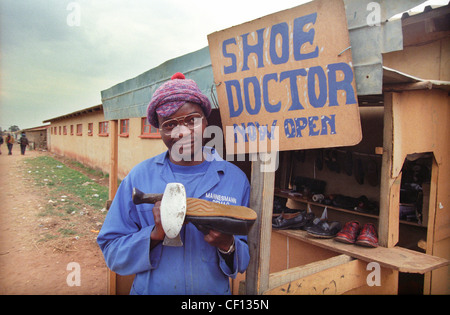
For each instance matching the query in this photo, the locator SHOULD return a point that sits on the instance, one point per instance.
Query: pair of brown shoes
(351, 233)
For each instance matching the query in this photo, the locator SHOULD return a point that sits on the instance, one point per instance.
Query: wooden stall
(413, 255)
(404, 130)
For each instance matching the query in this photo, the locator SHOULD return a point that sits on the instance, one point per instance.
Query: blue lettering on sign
(281, 29)
(237, 87)
(250, 95)
(270, 108)
(257, 49)
(345, 85)
(315, 77)
(293, 127)
(317, 101)
(232, 68)
(292, 75)
(257, 94)
(249, 132)
(301, 37)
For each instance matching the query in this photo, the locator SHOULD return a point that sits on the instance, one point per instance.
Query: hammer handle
(140, 197)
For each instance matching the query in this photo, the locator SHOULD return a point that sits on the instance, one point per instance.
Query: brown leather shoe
(368, 236)
(349, 233)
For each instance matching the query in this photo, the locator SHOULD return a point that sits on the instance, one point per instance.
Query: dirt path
(31, 267)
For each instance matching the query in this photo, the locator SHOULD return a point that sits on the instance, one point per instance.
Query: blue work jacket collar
(211, 178)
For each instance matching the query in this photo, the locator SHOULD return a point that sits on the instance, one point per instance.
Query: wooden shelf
(280, 193)
(396, 258)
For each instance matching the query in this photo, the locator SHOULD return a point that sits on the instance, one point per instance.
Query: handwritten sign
(286, 81)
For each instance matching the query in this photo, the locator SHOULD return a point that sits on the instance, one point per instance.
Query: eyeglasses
(191, 121)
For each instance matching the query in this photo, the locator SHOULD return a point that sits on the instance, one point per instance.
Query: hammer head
(173, 212)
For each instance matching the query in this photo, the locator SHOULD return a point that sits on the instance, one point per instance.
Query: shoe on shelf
(368, 236)
(324, 229)
(349, 233)
(299, 221)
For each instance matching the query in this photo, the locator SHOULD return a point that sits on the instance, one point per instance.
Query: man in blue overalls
(131, 236)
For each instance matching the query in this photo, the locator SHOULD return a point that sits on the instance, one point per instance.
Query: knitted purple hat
(173, 94)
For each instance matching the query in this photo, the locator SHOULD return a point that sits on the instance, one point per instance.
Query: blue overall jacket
(194, 268)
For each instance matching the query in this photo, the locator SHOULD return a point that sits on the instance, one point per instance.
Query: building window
(71, 130)
(59, 130)
(90, 129)
(103, 129)
(79, 129)
(65, 130)
(147, 130)
(124, 127)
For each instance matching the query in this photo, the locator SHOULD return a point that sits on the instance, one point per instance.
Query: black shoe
(226, 225)
(295, 223)
(206, 215)
(324, 229)
(314, 221)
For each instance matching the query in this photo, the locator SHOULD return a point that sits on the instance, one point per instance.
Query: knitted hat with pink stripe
(173, 94)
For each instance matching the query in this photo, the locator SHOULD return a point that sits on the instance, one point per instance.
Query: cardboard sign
(286, 81)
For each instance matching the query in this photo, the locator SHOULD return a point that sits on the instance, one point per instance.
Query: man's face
(182, 133)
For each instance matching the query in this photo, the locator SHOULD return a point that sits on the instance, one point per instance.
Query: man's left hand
(220, 240)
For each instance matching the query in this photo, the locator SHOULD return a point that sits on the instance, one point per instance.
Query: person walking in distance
(9, 143)
(23, 143)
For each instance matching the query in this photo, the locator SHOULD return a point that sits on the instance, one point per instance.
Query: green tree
(14, 128)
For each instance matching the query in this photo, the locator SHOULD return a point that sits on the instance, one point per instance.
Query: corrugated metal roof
(392, 77)
(131, 98)
(38, 128)
(369, 40)
(78, 112)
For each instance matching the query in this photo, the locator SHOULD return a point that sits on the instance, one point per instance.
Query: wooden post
(113, 169)
(430, 222)
(261, 201)
(114, 158)
(388, 224)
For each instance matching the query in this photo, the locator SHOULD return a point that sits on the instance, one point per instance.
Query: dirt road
(31, 267)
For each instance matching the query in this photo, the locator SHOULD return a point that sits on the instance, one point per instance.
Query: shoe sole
(344, 240)
(225, 225)
(320, 236)
(203, 208)
(366, 244)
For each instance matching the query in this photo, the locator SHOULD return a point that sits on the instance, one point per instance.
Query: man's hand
(157, 233)
(219, 240)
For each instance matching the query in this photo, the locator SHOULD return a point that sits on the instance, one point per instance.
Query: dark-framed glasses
(191, 121)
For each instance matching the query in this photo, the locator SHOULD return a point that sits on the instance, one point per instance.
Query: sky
(56, 56)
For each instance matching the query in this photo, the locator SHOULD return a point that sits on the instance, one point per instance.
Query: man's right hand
(157, 234)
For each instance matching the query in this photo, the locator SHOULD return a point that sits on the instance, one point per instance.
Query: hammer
(205, 215)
